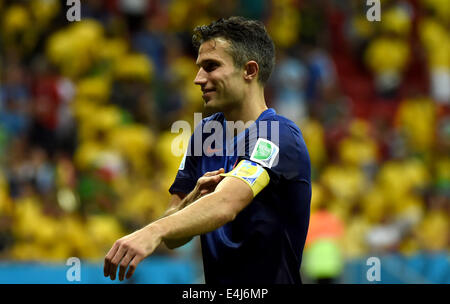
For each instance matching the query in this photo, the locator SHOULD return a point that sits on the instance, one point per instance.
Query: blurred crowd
(86, 110)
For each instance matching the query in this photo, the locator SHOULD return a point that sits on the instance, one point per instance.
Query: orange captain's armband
(252, 173)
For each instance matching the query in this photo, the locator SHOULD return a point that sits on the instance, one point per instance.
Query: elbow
(226, 217)
(231, 215)
(229, 207)
(175, 243)
(227, 214)
(170, 245)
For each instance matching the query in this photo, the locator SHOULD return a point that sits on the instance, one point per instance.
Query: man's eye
(210, 67)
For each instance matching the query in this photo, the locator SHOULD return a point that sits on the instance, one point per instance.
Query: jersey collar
(266, 114)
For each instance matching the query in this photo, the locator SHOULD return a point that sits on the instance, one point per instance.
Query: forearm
(206, 214)
(188, 199)
(175, 207)
(214, 208)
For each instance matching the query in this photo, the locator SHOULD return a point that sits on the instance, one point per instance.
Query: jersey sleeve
(281, 152)
(186, 177)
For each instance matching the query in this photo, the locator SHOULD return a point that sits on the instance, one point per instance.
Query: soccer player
(248, 197)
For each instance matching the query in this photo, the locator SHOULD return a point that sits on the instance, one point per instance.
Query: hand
(130, 251)
(207, 183)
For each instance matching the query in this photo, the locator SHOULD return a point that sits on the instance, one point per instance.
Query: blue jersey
(264, 243)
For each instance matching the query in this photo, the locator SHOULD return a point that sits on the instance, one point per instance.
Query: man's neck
(249, 110)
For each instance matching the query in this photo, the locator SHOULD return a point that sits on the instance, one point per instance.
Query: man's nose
(200, 79)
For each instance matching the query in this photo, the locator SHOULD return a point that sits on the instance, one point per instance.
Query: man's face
(221, 82)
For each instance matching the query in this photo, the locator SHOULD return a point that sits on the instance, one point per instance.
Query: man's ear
(251, 70)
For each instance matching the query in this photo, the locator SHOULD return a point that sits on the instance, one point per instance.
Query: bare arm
(177, 202)
(214, 204)
(205, 184)
(204, 215)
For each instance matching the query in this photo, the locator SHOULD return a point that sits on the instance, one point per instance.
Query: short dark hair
(248, 40)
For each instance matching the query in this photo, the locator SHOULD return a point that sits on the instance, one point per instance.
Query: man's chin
(211, 107)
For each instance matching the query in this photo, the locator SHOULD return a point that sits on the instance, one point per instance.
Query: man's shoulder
(284, 146)
(288, 130)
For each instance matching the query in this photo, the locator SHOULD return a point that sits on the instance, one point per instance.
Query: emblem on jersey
(264, 152)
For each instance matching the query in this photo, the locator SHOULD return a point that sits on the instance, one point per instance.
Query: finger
(214, 179)
(108, 258)
(115, 262)
(220, 171)
(219, 177)
(212, 173)
(124, 264)
(210, 183)
(133, 264)
(209, 173)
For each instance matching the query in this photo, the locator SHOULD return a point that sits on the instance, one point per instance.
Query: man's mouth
(207, 93)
